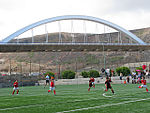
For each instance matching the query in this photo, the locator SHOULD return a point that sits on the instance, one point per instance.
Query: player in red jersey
(90, 84)
(108, 85)
(52, 87)
(143, 82)
(15, 87)
(93, 80)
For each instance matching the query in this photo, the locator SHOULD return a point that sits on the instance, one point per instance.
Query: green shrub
(114, 74)
(68, 74)
(139, 68)
(93, 73)
(50, 74)
(124, 70)
(85, 74)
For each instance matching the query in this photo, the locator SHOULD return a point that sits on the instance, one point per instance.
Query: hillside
(57, 62)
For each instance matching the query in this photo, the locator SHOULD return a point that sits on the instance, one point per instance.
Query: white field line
(30, 94)
(85, 99)
(10, 98)
(106, 95)
(106, 105)
(18, 98)
(19, 107)
(42, 105)
(99, 98)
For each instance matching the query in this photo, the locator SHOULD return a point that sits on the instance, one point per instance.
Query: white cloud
(16, 14)
(130, 5)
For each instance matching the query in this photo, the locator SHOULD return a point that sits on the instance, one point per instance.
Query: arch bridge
(12, 44)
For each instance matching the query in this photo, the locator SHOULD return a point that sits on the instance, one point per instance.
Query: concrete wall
(115, 80)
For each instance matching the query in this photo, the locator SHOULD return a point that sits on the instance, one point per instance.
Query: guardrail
(75, 43)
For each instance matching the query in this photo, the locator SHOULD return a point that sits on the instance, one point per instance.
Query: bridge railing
(75, 43)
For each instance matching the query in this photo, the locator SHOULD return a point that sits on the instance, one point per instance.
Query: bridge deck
(63, 47)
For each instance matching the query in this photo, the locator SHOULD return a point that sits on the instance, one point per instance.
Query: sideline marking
(20, 107)
(28, 106)
(106, 105)
(86, 99)
(41, 105)
(106, 95)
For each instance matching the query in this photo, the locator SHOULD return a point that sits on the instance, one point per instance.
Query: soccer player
(108, 85)
(47, 80)
(128, 79)
(139, 78)
(143, 82)
(110, 79)
(121, 75)
(52, 87)
(90, 84)
(15, 87)
(93, 80)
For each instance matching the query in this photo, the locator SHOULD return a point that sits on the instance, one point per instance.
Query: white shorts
(145, 86)
(16, 88)
(52, 88)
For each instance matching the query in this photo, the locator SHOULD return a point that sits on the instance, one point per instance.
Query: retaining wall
(115, 80)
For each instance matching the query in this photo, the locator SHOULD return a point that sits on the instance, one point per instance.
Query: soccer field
(76, 98)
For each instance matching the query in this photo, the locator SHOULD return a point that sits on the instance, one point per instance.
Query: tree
(85, 74)
(93, 73)
(124, 70)
(68, 74)
(50, 74)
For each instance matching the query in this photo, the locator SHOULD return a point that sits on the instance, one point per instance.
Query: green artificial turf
(36, 99)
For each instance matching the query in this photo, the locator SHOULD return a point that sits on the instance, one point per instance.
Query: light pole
(39, 67)
(59, 70)
(104, 57)
(30, 66)
(56, 66)
(21, 67)
(76, 65)
(10, 66)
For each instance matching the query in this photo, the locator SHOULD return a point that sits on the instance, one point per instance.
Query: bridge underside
(70, 47)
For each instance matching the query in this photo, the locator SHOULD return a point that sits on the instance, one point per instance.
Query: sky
(16, 14)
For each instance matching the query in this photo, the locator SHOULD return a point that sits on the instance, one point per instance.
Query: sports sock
(113, 91)
(146, 89)
(17, 91)
(54, 92)
(13, 92)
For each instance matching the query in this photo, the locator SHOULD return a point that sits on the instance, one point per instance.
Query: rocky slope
(56, 62)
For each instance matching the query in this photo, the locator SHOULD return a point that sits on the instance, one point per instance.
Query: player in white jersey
(47, 80)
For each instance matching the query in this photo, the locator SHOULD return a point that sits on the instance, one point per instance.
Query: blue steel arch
(68, 17)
